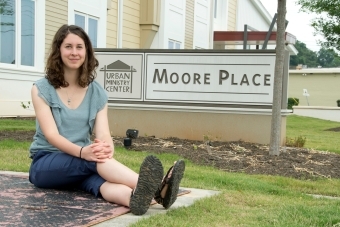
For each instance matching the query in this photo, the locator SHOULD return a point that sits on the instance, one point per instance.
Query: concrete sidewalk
(182, 201)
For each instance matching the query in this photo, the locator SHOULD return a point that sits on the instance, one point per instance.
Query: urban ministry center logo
(118, 77)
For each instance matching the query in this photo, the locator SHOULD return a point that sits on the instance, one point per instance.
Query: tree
(304, 57)
(328, 58)
(327, 21)
(6, 8)
(275, 136)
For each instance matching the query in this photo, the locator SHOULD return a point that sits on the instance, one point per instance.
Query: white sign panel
(121, 75)
(305, 92)
(223, 78)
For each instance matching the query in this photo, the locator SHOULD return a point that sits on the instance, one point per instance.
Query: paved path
(182, 201)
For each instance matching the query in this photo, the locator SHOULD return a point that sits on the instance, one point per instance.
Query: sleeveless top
(76, 125)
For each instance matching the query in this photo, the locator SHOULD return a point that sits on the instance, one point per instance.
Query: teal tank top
(76, 125)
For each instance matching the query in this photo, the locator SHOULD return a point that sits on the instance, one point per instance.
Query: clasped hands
(98, 151)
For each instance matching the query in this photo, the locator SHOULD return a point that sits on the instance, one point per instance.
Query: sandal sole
(174, 181)
(150, 174)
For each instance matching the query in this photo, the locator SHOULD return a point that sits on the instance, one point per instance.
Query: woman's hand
(101, 148)
(98, 151)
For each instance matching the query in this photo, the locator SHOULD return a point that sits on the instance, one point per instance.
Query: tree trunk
(275, 136)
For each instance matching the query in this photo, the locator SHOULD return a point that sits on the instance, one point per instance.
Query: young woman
(70, 107)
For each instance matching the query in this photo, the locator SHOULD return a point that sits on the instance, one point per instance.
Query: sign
(121, 75)
(188, 76)
(305, 92)
(210, 78)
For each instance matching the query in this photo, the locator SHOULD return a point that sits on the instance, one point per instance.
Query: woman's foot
(150, 174)
(168, 190)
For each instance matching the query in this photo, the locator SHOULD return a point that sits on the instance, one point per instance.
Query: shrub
(296, 142)
(292, 102)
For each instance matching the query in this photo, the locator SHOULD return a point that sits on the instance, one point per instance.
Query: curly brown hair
(54, 66)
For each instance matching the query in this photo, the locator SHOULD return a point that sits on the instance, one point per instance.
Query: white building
(27, 28)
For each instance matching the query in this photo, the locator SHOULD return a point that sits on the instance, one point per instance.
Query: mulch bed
(250, 158)
(235, 156)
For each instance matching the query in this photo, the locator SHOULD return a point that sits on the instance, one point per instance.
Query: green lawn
(315, 132)
(245, 200)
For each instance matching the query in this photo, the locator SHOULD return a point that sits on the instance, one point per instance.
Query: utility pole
(275, 136)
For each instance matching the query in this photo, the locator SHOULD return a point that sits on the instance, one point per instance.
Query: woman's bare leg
(116, 193)
(115, 172)
(120, 180)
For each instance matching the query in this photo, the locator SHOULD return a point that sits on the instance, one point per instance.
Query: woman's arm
(102, 131)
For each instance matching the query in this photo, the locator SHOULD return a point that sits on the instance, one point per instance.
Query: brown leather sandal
(177, 172)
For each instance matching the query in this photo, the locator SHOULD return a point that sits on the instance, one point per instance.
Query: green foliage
(23, 105)
(328, 58)
(6, 8)
(292, 102)
(296, 142)
(326, 23)
(304, 57)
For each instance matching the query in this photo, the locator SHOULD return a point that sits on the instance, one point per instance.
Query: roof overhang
(253, 38)
(292, 50)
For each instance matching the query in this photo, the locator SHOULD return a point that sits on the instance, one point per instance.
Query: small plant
(206, 138)
(292, 102)
(28, 106)
(296, 142)
(194, 146)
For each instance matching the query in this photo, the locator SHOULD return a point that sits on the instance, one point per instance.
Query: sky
(299, 22)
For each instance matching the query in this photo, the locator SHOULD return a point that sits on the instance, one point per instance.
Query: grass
(245, 200)
(314, 130)
(8, 124)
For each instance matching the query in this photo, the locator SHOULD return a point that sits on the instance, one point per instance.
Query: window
(172, 44)
(17, 32)
(89, 24)
(92, 17)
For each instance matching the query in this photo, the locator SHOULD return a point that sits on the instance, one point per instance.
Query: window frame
(94, 9)
(174, 42)
(87, 17)
(39, 37)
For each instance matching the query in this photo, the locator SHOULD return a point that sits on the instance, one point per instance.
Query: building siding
(232, 9)
(56, 15)
(189, 24)
(112, 19)
(246, 15)
(322, 88)
(131, 28)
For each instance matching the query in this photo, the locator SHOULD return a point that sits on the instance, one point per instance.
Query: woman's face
(73, 52)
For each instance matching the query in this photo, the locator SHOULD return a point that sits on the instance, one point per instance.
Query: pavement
(128, 219)
(182, 201)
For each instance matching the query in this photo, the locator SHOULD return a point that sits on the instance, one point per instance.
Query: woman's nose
(74, 51)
